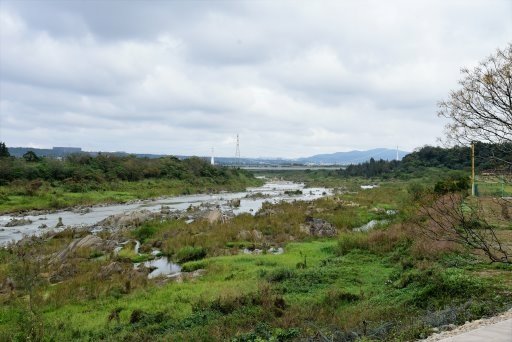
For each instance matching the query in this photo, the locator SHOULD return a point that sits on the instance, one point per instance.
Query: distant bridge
(291, 167)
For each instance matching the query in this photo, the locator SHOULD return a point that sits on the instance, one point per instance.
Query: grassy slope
(235, 275)
(338, 290)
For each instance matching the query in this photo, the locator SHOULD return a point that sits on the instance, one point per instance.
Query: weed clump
(280, 274)
(335, 297)
(265, 332)
(193, 266)
(144, 232)
(350, 241)
(190, 253)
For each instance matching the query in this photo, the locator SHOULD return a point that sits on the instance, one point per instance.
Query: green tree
(30, 156)
(4, 151)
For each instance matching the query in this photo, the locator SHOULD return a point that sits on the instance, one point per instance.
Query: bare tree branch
(456, 218)
(481, 110)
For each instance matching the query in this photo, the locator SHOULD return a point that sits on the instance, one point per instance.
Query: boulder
(7, 286)
(180, 277)
(88, 241)
(18, 222)
(447, 327)
(318, 227)
(82, 210)
(65, 271)
(243, 235)
(266, 212)
(213, 216)
(59, 224)
(111, 269)
(235, 203)
(257, 235)
(124, 220)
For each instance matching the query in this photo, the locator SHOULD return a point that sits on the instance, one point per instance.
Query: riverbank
(14, 198)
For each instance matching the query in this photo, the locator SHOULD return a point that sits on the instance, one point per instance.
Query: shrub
(265, 332)
(383, 241)
(190, 253)
(33, 187)
(350, 241)
(435, 283)
(280, 274)
(454, 183)
(336, 296)
(228, 303)
(143, 232)
(193, 266)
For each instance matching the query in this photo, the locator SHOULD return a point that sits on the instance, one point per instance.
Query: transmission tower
(237, 152)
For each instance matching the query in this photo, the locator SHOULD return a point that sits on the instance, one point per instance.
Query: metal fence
(493, 187)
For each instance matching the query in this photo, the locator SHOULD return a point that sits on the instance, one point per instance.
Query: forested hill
(80, 169)
(487, 157)
(41, 183)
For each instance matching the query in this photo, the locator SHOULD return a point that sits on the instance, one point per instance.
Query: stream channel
(251, 201)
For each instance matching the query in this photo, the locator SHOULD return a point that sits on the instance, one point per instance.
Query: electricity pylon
(237, 152)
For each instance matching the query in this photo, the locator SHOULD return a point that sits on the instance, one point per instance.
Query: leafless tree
(481, 110)
(457, 218)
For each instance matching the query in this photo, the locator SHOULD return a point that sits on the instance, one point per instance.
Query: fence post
(502, 186)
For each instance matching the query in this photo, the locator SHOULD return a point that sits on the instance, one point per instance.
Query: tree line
(488, 157)
(108, 168)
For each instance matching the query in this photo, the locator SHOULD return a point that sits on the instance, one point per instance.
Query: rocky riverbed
(211, 207)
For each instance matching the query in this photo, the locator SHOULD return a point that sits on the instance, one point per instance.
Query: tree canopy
(4, 151)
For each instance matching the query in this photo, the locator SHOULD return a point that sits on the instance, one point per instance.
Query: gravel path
(496, 329)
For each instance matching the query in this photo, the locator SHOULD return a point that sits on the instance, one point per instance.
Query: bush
(265, 332)
(193, 266)
(280, 274)
(454, 183)
(350, 241)
(143, 232)
(337, 296)
(435, 283)
(189, 253)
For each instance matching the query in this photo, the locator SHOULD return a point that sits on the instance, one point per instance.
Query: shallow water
(161, 266)
(273, 190)
(370, 225)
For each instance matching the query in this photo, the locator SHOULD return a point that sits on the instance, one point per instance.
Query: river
(251, 201)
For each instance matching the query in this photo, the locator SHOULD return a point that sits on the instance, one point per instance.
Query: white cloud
(292, 78)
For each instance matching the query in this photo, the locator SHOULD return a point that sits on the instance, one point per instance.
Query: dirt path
(495, 329)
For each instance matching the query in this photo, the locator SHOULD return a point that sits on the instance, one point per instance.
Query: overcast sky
(293, 78)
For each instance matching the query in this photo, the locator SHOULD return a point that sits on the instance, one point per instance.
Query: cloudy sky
(293, 78)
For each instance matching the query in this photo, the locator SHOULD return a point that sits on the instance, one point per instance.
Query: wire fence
(493, 187)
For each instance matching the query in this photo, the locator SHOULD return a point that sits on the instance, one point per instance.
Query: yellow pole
(472, 169)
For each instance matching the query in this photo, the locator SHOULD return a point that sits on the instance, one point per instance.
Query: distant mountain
(341, 158)
(56, 152)
(44, 152)
(353, 157)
